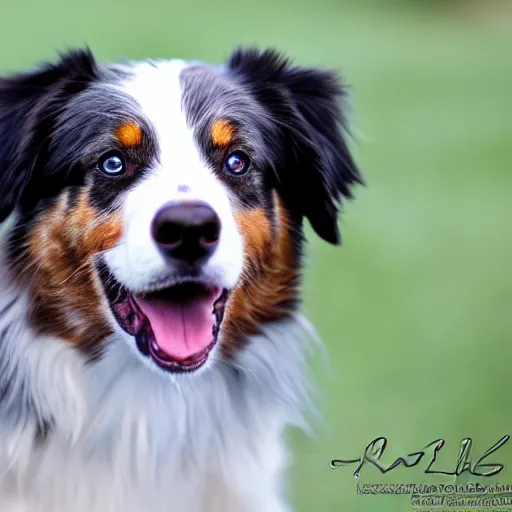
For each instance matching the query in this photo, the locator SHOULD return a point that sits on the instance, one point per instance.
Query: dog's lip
(191, 363)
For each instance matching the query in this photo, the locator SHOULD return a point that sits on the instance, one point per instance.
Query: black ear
(29, 105)
(306, 105)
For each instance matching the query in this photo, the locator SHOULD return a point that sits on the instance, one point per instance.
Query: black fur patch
(314, 166)
(29, 106)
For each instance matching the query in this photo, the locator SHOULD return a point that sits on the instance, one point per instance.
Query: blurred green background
(416, 307)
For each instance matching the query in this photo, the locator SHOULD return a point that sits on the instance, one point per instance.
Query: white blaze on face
(180, 174)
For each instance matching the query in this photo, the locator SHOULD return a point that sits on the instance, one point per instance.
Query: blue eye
(237, 163)
(112, 164)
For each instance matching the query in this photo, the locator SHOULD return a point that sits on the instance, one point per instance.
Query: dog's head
(163, 202)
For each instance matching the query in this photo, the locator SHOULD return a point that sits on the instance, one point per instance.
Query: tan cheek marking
(269, 281)
(89, 231)
(256, 231)
(284, 240)
(129, 134)
(105, 235)
(222, 133)
(67, 301)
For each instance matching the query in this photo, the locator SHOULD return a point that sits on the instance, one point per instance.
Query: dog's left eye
(112, 164)
(237, 163)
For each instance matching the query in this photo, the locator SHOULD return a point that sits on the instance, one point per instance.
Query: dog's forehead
(179, 98)
(157, 90)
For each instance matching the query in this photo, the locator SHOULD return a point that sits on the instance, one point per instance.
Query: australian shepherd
(151, 346)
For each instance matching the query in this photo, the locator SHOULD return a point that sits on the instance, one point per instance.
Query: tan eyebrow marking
(222, 132)
(129, 134)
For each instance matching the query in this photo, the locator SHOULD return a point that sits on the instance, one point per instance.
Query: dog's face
(163, 202)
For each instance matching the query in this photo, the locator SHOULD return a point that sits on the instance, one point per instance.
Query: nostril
(167, 233)
(210, 233)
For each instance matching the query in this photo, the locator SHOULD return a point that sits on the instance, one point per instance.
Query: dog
(152, 349)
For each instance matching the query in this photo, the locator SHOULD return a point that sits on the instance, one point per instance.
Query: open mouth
(177, 326)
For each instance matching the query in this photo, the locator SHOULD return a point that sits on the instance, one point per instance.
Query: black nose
(187, 231)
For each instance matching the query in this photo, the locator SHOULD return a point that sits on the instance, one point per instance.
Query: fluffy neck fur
(123, 438)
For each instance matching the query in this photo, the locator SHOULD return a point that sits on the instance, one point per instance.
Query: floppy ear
(29, 105)
(306, 105)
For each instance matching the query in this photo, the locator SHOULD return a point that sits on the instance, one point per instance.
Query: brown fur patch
(129, 134)
(223, 133)
(268, 286)
(257, 233)
(67, 300)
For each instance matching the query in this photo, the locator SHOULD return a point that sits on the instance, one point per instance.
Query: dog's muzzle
(175, 322)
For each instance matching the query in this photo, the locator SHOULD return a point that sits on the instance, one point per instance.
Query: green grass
(416, 307)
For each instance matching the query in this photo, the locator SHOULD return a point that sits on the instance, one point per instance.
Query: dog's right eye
(112, 164)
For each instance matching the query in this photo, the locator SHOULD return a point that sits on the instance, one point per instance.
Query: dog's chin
(175, 325)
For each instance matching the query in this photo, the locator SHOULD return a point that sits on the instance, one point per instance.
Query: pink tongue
(182, 328)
